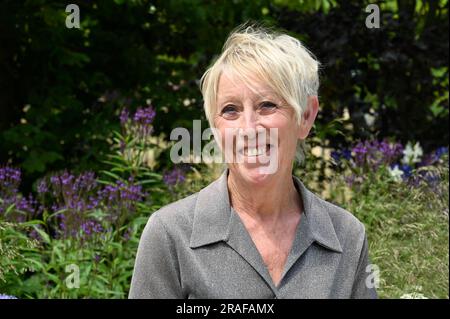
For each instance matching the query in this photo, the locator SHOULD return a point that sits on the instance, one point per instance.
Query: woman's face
(254, 112)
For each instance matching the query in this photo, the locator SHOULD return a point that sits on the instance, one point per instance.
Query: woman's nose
(250, 118)
(251, 128)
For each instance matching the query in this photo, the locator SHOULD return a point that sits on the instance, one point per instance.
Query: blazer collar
(214, 220)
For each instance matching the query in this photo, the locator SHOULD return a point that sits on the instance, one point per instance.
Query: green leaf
(45, 237)
(110, 174)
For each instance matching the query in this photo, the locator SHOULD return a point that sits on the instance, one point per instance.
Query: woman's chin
(253, 173)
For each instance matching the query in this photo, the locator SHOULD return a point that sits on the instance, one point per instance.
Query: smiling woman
(255, 233)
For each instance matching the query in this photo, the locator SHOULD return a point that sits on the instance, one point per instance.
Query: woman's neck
(269, 202)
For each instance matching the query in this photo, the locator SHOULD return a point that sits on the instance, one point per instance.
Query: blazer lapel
(240, 240)
(215, 221)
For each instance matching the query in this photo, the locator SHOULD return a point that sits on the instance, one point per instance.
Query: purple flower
(347, 154)
(174, 177)
(120, 192)
(142, 121)
(372, 154)
(34, 234)
(360, 151)
(74, 196)
(434, 157)
(407, 171)
(124, 116)
(354, 181)
(390, 152)
(120, 199)
(338, 155)
(430, 178)
(3, 296)
(42, 187)
(10, 179)
(91, 227)
(144, 116)
(66, 178)
(10, 173)
(24, 208)
(441, 151)
(86, 181)
(138, 125)
(71, 189)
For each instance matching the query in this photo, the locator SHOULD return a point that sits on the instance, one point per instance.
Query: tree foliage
(62, 89)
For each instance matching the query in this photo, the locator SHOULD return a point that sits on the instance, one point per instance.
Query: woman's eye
(268, 105)
(228, 110)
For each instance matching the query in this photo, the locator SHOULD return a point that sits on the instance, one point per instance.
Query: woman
(256, 233)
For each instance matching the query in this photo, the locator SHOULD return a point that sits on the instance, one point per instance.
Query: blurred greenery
(60, 88)
(62, 91)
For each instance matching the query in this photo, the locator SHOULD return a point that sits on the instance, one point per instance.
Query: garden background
(86, 115)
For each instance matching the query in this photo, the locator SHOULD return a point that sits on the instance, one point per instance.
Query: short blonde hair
(276, 58)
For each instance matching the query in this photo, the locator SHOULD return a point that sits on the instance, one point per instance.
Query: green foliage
(60, 88)
(104, 258)
(397, 74)
(407, 228)
(61, 91)
(105, 267)
(14, 248)
(408, 235)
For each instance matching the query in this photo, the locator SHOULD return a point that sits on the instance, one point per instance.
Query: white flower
(414, 295)
(370, 119)
(412, 154)
(396, 173)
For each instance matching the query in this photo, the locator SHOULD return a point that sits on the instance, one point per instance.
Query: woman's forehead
(232, 85)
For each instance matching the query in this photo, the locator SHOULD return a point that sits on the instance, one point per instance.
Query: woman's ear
(308, 117)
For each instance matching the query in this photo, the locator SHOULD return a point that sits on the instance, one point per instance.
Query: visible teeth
(252, 152)
(256, 151)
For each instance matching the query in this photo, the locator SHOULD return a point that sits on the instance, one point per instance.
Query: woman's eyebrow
(260, 95)
(226, 99)
(268, 93)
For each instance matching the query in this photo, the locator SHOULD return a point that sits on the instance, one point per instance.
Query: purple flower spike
(336, 156)
(124, 116)
(441, 151)
(42, 187)
(144, 116)
(10, 179)
(91, 227)
(174, 177)
(360, 151)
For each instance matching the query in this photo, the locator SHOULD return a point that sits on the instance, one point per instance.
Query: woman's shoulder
(180, 212)
(344, 222)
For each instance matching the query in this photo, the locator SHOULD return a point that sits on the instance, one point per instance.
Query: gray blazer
(198, 247)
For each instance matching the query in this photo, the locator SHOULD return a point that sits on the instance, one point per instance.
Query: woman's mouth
(256, 151)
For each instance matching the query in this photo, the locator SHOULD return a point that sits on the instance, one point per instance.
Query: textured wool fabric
(198, 247)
